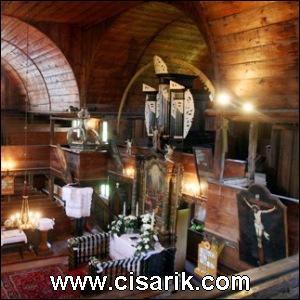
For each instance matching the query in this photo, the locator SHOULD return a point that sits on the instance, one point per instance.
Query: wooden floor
(12, 256)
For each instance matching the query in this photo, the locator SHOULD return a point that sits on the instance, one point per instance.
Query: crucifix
(258, 225)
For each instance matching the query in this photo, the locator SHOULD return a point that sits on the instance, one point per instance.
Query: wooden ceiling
(38, 65)
(151, 28)
(248, 47)
(84, 13)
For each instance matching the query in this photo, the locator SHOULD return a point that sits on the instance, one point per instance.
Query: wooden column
(220, 148)
(51, 186)
(52, 123)
(252, 148)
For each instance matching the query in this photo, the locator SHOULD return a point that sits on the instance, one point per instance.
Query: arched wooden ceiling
(132, 40)
(252, 46)
(38, 66)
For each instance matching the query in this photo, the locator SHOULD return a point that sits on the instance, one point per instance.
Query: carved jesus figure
(259, 227)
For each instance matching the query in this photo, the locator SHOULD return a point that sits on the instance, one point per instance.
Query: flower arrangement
(146, 218)
(147, 240)
(131, 224)
(117, 226)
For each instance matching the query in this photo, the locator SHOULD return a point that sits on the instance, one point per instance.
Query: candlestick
(152, 221)
(137, 209)
(124, 209)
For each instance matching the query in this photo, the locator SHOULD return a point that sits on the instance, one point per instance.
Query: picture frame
(7, 185)
(203, 160)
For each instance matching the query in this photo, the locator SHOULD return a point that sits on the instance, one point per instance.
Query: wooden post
(51, 130)
(252, 148)
(44, 246)
(51, 186)
(220, 151)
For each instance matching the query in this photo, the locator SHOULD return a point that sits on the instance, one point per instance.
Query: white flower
(147, 247)
(147, 226)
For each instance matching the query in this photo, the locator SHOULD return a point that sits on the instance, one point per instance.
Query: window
(104, 190)
(104, 131)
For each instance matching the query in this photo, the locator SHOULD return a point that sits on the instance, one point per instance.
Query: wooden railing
(102, 215)
(279, 279)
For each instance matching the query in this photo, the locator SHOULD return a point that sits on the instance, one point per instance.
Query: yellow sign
(207, 259)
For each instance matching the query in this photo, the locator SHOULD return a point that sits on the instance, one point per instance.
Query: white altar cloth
(123, 246)
(13, 236)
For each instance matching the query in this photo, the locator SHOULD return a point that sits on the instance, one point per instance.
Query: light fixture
(129, 172)
(248, 107)
(7, 165)
(191, 188)
(25, 219)
(223, 99)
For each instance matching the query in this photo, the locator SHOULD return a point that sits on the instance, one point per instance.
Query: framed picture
(7, 185)
(204, 160)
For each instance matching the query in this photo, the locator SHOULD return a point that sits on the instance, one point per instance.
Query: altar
(125, 246)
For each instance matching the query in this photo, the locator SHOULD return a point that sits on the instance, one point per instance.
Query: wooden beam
(252, 148)
(264, 116)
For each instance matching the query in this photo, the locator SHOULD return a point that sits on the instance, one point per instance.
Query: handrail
(262, 280)
(244, 189)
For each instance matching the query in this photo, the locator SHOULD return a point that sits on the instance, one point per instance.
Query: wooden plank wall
(37, 156)
(285, 159)
(12, 95)
(256, 49)
(38, 132)
(84, 166)
(222, 220)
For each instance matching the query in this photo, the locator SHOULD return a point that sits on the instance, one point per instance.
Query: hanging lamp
(25, 219)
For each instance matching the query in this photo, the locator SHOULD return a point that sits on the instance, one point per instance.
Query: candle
(152, 221)
(124, 209)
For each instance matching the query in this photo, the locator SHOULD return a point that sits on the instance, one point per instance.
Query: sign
(207, 259)
(7, 185)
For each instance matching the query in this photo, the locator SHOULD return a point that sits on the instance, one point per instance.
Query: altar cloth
(13, 236)
(124, 246)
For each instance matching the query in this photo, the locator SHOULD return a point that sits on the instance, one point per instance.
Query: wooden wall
(37, 156)
(256, 49)
(285, 159)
